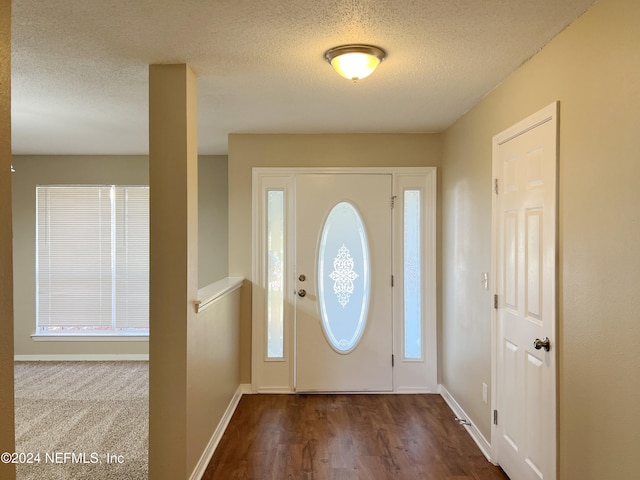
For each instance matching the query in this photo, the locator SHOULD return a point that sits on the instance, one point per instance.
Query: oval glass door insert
(343, 277)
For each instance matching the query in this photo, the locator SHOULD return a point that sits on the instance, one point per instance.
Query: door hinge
(393, 362)
(495, 301)
(495, 185)
(393, 200)
(495, 417)
(392, 280)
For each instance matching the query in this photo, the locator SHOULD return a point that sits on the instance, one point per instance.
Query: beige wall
(120, 170)
(35, 170)
(337, 150)
(213, 212)
(6, 276)
(213, 371)
(593, 69)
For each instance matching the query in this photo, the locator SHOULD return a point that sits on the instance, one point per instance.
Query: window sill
(89, 338)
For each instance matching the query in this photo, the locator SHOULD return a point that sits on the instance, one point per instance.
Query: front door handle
(544, 343)
(302, 292)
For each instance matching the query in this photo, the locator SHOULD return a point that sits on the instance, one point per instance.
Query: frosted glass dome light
(355, 62)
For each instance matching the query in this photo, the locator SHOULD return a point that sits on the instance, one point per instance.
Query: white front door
(343, 305)
(525, 212)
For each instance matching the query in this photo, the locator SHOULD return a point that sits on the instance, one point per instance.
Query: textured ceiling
(80, 67)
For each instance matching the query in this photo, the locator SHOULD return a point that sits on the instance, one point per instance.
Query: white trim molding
(476, 435)
(36, 337)
(206, 456)
(276, 390)
(245, 389)
(136, 357)
(416, 390)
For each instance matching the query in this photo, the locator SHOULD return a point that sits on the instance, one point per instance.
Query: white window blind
(92, 259)
(132, 258)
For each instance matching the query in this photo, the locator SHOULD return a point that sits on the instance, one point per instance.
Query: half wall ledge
(209, 294)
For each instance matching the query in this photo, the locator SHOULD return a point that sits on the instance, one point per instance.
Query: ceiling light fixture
(355, 61)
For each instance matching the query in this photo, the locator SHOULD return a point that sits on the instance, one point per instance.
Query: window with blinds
(92, 259)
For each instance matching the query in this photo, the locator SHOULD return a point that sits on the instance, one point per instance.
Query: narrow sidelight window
(411, 275)
(275, 274)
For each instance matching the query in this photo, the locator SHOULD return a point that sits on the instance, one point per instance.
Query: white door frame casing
(278, 375)
(548, 114)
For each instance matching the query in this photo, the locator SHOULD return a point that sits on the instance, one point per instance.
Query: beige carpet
(84, 420)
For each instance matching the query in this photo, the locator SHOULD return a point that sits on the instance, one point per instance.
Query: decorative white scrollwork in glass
(343, 277)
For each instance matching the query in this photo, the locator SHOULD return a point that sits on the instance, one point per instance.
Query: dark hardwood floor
(339, 437)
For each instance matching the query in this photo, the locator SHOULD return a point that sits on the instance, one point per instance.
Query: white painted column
(173, 285)
(7, 432)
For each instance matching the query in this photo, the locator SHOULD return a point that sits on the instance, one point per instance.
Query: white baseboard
(416, 390)
(206, 456)
(82, 358)
(284, 389)
(400, 391)
(477, 437)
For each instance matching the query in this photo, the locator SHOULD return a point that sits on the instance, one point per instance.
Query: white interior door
(343, 310)
(525, 169)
